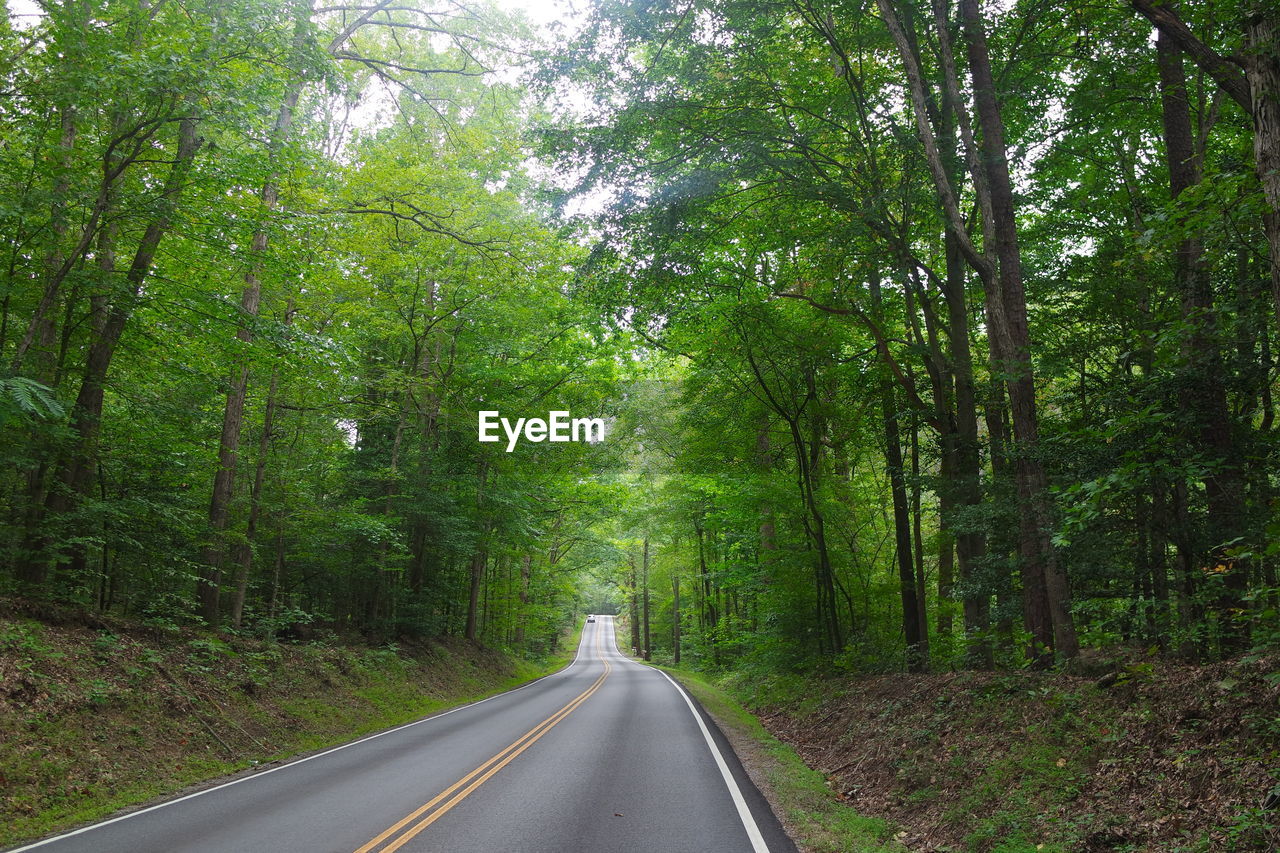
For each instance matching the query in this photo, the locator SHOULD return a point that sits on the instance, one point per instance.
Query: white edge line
(33, 845)
(748, 820)
(758, 844)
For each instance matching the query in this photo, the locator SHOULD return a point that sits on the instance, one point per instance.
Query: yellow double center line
(451, 796)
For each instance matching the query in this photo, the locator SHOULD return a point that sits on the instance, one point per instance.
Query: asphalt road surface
(605, 755)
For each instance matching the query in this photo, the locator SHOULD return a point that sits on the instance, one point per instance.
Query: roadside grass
(1175, 759)
(92, 723)
(813, 813)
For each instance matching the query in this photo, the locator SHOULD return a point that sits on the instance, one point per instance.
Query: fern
(29, 397)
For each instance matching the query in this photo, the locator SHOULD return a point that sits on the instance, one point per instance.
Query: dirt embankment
(97, 715)
(1150, 757)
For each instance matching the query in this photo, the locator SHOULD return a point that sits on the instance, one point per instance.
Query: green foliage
(812, 424)
(20, 395)
(407, 277)
(773, 225)
(22, 638)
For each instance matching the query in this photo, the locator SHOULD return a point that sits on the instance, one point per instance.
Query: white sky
(541, 12)
(25, 12)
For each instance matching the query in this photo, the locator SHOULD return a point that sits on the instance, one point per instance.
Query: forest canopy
(928, 335)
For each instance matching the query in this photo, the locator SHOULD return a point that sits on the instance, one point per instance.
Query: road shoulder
(809, 810)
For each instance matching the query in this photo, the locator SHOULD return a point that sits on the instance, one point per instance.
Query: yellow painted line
(430, 819)
(484, 771)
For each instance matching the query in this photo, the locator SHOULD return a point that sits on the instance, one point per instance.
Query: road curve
(605, 755)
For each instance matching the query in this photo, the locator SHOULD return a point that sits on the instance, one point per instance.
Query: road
(605, 755)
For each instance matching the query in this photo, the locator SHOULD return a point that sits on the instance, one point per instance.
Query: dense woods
(976, 307)
(263, 263)
(930, 335)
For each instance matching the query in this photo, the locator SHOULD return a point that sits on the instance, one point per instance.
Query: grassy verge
(812, 812)
(1157, 756)
(93, 721)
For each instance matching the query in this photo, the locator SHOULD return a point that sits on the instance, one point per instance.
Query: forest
(929, 336)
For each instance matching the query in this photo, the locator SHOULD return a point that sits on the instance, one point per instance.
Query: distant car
(590, 618)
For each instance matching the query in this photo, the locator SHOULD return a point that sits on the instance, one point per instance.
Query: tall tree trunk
(998, 266)
(478, 560)
(902, 532)
(1203, 396)
(995, 416)
(74, 471)
(524, 600)
(634, 603)
(675, 617)
(86, 414)
(944, 622)
(901, 514)
(1045, 570)
(1257, 91)
(244, 550)
(648, 639)
(917, 538)
(32, 567)
(210, 582)
(1262, 70)
(824, 572)
(965, 446)
(943, 381)
(966, 482)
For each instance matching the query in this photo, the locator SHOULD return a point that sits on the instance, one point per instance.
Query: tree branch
(882, 344)
(1221, 69)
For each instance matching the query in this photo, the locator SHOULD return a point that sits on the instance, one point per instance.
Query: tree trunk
(917, 538)
(648, 648)
(524, 600)
(1257, 91)
(634, 604)
(944, 623)
(210, 583)
(675, 617)
(32, 567)
(1262, 69)
(1203, 394)
(901, 514)
(1045, 573)
(902, 533)
(478, 560)
(1045, 591)
(971, 545)
(244, 550)
(75, 469)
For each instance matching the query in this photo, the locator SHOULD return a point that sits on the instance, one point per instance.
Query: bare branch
(364, 60)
